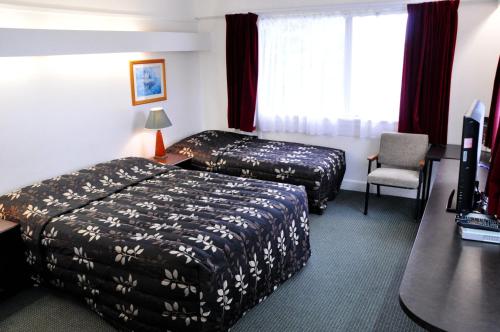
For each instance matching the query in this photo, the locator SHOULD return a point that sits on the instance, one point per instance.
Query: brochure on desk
(479, 235)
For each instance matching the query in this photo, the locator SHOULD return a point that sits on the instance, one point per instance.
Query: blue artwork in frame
(147, 81)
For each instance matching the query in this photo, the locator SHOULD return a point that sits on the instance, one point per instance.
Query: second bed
(319, 169)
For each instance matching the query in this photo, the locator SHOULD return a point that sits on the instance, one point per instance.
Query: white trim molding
(362, 7)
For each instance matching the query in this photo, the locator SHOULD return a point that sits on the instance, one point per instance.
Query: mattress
(319, 169)
(154, 248)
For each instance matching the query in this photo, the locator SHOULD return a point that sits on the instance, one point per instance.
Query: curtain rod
(359, 7)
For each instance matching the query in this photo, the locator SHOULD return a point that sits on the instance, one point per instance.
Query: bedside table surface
(6, 225)
(172, 159)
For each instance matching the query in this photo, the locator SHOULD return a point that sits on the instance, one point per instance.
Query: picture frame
(148, 81)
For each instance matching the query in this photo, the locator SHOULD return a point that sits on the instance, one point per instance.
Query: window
(330, 75)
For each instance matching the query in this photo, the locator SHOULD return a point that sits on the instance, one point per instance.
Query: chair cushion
(394, 177)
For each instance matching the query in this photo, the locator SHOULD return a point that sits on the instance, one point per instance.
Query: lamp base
(160, 147)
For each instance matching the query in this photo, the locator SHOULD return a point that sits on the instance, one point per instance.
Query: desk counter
(450, 284)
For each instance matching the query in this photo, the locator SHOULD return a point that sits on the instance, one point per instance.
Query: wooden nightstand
(174, 159)
(12, 264)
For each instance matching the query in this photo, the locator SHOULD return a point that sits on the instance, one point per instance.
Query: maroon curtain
(431, 34)
(242, 55)
(493, 183)
(494, 117)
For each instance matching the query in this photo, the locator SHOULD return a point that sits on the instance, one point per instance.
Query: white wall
(62, 113)
(476, 57)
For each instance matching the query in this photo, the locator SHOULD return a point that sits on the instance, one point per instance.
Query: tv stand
(480, 202)
(451, 206)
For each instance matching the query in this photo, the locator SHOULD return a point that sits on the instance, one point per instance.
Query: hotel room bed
(158, 248)
(319, 169)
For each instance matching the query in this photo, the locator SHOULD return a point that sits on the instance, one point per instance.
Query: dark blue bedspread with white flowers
(158, 248)
(319, 169)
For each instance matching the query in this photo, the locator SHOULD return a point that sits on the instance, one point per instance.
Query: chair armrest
(421, 164)
(370, 160)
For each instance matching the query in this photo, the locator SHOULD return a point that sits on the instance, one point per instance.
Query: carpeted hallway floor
(351, 282)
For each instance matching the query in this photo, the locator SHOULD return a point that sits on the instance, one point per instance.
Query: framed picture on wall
(147, 81)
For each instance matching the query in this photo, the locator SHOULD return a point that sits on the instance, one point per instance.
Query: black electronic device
(479, 221)
(470, 152)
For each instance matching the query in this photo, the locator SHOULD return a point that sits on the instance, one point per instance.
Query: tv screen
(472, 134)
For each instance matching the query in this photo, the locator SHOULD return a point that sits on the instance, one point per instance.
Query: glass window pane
(377, 64)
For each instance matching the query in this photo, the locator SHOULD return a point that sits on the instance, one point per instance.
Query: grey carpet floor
(350, 283)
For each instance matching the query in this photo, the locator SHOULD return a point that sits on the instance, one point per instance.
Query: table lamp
(158, 119)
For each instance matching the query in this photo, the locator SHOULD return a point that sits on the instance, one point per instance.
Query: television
(470, 154)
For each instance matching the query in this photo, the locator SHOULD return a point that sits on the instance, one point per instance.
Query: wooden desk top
(449, 283)
(6, 225)
(172, 159)
(438, 152)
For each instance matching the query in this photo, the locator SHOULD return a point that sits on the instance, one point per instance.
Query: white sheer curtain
(330, 75)
(301, 73)
(376, 71)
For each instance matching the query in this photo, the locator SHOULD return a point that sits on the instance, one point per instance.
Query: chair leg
(417, 208)
(367, 195)
(378, 190)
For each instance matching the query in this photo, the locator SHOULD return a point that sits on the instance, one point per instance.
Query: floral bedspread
(319, 169)
(158, 248)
